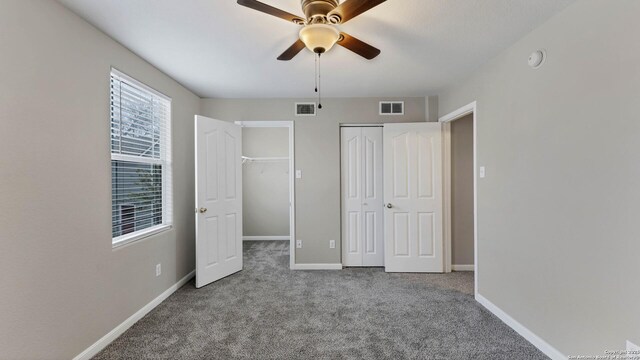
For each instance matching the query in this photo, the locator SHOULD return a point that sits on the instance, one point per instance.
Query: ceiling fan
(319, 33)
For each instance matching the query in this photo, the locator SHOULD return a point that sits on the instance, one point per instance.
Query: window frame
(166, 163)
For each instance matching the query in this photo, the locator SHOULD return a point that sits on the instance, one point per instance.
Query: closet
(265, 183)
(362, 196)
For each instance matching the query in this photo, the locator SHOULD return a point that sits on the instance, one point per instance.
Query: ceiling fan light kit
(319, 38)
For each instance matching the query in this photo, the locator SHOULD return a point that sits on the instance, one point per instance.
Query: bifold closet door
(362, 197)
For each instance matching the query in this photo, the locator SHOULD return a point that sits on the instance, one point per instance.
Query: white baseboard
(113, 334)
(265, 238)
(462, 268)
(316, 267)
(534, 339)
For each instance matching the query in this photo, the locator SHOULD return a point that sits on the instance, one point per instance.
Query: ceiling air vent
(391, 107)
(305, 109)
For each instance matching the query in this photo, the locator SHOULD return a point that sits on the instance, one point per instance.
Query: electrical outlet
(298, 174)
(299, 244)
(332, 244)
(158, 269)
(483, 172)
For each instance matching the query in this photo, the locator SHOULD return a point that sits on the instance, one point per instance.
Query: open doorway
(268, 193)
(460, 190)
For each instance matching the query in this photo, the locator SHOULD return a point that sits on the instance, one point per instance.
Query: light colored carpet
(267, 311)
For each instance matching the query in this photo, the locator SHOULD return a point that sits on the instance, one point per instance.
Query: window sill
(139, 235)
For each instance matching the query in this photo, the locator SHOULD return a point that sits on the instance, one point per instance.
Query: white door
(362, 201)
(413, 197)
(218, 199)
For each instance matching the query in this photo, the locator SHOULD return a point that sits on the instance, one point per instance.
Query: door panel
(413, 188)
(373, 213)
(231, 153)
(218, 147)
(353, 226)
(425, 234)
(400, 165)
(211, 157)
(425, 166)
(351, 139)
(370, 236)
(212, 240)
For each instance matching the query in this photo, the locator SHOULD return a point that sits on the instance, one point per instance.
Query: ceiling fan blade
(292, 51)
(268, 9)
(352, 8)
(359, 47)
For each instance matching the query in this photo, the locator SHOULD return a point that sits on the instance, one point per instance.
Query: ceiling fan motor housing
(316, 11)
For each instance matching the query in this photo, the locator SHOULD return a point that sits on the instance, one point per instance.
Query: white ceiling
(217, 48)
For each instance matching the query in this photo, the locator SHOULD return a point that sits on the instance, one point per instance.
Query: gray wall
(558, 210)
(317, 154)
(462, 191)
(64, 287)
(265, 185)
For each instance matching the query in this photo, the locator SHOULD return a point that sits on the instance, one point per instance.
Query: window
(140, 160)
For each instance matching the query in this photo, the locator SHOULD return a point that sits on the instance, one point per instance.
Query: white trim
(123, 240)
(135, 82)
(471, 108)
(361, 125)
(446, 193)
(456, 114)
(462, 267)
(265, 238)
(534, 339)
(264, 124)
(292, 177)
(317, 267)
(118, 330)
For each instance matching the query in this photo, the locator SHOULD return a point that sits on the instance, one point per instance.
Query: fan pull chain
(319, 82)
(315, 68)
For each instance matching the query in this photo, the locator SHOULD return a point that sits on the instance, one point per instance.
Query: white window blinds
(140, 158)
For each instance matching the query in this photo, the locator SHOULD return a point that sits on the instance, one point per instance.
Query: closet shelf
(263, 159)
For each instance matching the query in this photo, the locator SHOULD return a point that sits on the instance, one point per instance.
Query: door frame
(292, 182)
(446, 120)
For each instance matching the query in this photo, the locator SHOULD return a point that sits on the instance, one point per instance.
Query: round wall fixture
(537, 58)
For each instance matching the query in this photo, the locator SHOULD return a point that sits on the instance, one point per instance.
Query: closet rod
(258, 159)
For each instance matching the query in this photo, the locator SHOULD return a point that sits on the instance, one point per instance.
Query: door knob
(389, 206)
(203, 210)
